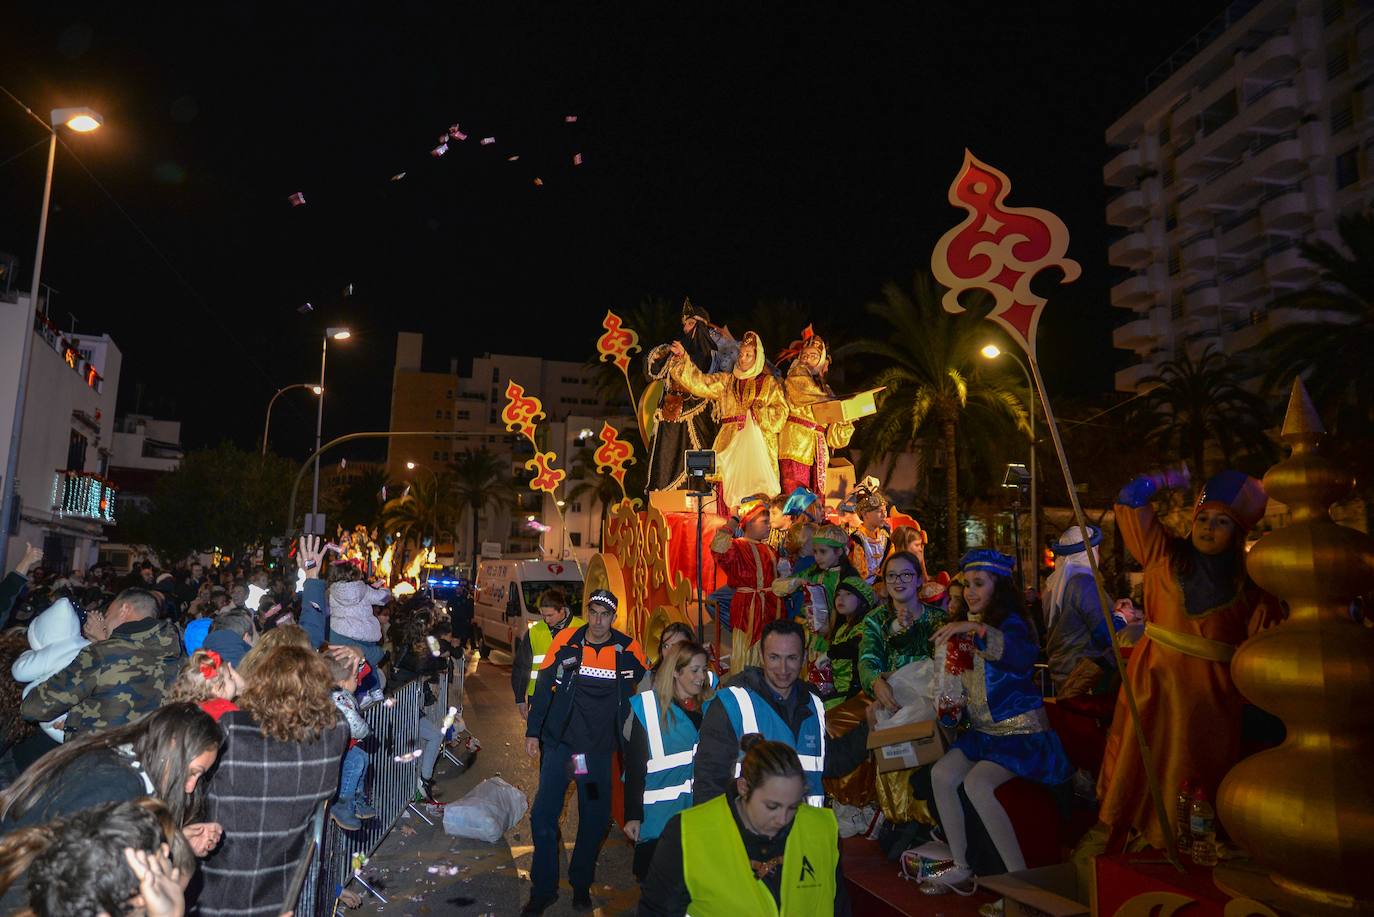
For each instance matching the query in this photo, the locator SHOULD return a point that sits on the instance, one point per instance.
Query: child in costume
(750, 566)
(828, 547)
(854, 598)
(1199, 606)
(1009, 734)
(869, 539)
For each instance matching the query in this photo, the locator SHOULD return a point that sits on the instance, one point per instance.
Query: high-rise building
(143, 450)
(471, 404)
(1252, 138)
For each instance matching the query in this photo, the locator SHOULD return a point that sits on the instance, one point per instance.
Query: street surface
(492, 878)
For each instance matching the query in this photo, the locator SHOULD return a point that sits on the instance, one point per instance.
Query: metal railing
(392, 780)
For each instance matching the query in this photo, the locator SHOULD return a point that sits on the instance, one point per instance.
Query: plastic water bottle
(1202, 822)
(1183, 813)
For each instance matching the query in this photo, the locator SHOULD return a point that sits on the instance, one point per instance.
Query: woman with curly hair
(281, 758)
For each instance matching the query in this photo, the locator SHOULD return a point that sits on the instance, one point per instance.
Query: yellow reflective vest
(715, 865)
(541, 638)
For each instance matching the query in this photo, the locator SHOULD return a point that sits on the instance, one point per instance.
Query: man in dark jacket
(231, 635)
(582, 696)
(118, 679)
(777, 687)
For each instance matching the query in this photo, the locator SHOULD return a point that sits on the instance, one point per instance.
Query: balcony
(1281, 161)
(1137, 335)
(1203, 298)
(1133, 293)
(1274, 107)
(1274, 58)
(1123, 169)
(1134, 251)
(1285, 208)
(1127, 209)
(1288, 265)
(1129, 379)
(1199, 252)
(1246, 286)
(78, 495)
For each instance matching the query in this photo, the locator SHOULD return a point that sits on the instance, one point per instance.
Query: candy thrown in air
(577, 159)
(488, 141)
(570, 119)
(456, 134)
(439, 150)
(297, 199)
(513, 158)
(539, 182)
(398, 176)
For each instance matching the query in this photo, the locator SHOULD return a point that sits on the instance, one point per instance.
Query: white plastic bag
(746, 467)
(913, 688)
(491, 809)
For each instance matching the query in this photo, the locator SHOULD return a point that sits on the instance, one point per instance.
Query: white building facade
(1254, 137)
(64, 496)
(143, 449)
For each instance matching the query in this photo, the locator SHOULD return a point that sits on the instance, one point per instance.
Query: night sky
(733, 152)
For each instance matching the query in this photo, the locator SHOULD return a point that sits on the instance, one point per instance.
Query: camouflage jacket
(112, 682)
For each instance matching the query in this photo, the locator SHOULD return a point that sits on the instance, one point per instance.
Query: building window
(491, 416)
(1348, 168)
(435, 455)
(577, 506)
(1176, 307)
(589, 401)
(1337, 61)
(575, 539)
(448, 415)
(464, 415)
(1165, 133)
(439, 414)
(76, 452)
(495, 375)
(1342, 113)
(449, 394)
(1173, 262)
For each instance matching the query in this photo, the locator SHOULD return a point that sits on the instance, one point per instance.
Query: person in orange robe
(750, 566)
(1199, 606)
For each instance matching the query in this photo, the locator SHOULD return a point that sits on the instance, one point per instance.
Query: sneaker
(344, 817)
(957, 879)
(424, 792)
(582, 899)
(537, 905)
(362, 809)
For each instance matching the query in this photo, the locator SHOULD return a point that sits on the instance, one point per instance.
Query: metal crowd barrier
(390, 785)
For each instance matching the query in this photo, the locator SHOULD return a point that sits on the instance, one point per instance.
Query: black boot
(537, 905)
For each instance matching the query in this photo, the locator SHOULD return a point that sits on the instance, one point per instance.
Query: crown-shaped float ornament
(1305, 811)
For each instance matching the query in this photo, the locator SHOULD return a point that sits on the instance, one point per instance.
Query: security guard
(758, 851)
(581, 699)
(530, 651)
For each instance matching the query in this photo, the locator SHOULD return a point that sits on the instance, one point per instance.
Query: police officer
(581, 698)
(534, 645)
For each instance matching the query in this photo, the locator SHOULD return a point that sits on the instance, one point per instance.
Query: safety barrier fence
(391, 782)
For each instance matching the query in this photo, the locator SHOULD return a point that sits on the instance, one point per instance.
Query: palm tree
(1189, 406)
(936, 385)
(481, 480)
(422, 511)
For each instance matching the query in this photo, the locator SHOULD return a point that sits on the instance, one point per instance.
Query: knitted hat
(1237, 495)
(860, 588)
(994, 562)
(605, 598)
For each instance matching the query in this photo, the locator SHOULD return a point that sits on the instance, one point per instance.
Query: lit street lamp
(82, 121)
(338, 334)
(992, 352)
(266, 424)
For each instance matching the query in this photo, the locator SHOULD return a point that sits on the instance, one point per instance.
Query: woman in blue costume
(1009, 734)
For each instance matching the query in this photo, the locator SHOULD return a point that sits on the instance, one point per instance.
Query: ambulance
(507, 598)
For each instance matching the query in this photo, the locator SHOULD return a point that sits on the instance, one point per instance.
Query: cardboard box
(851, 408)
(906, 746)
(1050, 891)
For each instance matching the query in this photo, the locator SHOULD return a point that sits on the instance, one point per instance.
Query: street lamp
(992, 352)
(266, 424)
(82, 121)
(338, 334)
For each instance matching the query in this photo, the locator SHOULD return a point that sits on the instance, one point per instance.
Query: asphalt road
(492, 878)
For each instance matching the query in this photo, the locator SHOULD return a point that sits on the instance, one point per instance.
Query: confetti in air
(305, 309)
(488, 141)
(577, 159)
(456, 134)
(570, 119)
(439, 150)
(514, 158)
(297, 199)
(398, 176)
(538, 182)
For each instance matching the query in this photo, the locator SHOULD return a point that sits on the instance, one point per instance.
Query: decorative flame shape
(613, 455)
(547, 478)
(1000, 249)
(521, 411)
(617, 343)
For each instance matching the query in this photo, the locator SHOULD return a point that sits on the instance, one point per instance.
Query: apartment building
(1253, 137)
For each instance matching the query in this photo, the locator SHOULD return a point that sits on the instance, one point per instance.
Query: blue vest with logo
(750, 713)
(668, 780)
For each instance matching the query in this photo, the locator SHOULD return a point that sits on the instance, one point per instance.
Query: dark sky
(733, 152)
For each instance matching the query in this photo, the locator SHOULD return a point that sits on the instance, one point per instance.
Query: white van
(507, 599)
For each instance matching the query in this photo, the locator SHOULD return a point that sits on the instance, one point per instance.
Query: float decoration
(546, 477)
(612, 456)
(616, 345)
(521, 411)
(999, 250)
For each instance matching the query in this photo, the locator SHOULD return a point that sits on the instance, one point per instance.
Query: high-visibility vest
(747, 716)
(716, 870)
(541, 638)
(668, 777)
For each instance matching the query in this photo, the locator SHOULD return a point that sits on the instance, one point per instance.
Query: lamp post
(338, 334)
(266, 424)
(992, 352)
(82, 121)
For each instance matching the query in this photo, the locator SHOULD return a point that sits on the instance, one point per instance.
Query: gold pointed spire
(1301, 419)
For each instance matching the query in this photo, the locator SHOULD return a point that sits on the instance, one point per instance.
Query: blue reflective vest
(668, 779)
(750, 713)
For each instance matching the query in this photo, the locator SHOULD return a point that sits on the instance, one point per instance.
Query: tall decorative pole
(999, 250)
(1305, 811)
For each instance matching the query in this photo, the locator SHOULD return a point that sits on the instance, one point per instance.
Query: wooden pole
(1147, 757)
